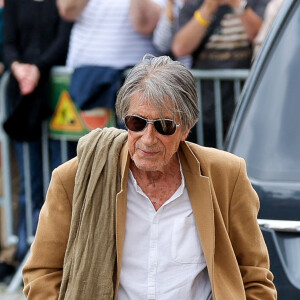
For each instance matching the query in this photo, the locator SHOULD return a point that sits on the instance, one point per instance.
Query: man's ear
(185, 135)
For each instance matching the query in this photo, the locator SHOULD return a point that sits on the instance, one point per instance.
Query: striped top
(231, 35)
(228, 45)
(103, 35)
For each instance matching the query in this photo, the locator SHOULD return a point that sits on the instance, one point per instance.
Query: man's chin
(147, 166)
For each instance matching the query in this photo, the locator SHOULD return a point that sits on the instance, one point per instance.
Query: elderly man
(145, 215)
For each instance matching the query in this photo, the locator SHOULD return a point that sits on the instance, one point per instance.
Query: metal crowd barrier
(237, 76)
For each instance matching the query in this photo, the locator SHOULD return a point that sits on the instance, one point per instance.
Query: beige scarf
(90, 260)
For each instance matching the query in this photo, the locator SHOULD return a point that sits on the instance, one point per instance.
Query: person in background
(270, 14)
(143, 214)
(6, 253)
(107, 38)
(218, 34)
(35, 40)
(165, 30)
(2, 67)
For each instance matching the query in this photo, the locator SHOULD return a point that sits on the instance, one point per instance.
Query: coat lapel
(201, 200)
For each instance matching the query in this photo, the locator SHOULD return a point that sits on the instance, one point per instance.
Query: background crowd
(98, 40)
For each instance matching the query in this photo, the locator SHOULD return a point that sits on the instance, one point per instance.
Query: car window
(269, 133)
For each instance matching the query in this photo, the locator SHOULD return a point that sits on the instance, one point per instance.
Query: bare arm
(250, 19)
(70, 9)
(189, 37)
(252, 23)
(144, 15)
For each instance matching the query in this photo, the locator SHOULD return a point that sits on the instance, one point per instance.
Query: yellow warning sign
(66, 117)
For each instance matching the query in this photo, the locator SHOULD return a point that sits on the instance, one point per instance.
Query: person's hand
(19, 70)
(31, 80)
(213, 5)
(209, 7)
(27, 76)
(232, 3)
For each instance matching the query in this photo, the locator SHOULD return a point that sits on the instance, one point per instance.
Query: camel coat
(225, 207)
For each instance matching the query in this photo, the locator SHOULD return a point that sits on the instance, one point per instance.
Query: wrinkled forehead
(144, 105)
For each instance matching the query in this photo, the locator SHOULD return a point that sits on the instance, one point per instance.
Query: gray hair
(158, 79)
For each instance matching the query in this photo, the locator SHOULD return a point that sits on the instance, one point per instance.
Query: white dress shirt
(162, 257)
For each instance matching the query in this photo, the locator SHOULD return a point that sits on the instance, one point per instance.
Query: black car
(265, 130)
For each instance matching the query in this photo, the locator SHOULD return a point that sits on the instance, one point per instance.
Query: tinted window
(269, 135)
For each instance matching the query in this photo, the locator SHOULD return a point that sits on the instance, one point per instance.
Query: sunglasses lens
(166, 128)
(135, 123)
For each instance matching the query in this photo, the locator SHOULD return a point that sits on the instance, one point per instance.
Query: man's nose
(149, 134)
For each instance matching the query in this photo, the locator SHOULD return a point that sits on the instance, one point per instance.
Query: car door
(265, 130)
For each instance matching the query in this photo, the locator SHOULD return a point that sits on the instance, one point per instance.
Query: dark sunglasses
(163, 126)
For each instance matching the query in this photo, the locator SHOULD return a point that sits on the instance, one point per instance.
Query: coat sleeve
(42, 272)
(247, 240)
(10, 33)
(57, 51)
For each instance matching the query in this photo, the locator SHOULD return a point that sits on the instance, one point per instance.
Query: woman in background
(35, 40)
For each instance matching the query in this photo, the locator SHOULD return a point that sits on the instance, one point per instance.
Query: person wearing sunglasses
(143, 214)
